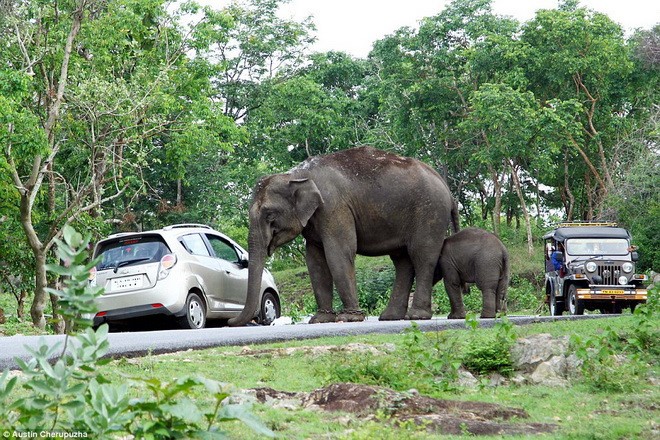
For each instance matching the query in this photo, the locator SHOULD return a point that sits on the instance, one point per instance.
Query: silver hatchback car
(187, 271)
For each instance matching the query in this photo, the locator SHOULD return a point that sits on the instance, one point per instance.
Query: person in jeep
(591, 267)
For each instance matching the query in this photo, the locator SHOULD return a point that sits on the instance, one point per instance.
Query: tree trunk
(497, 209)
(40, 297)
(523, 205)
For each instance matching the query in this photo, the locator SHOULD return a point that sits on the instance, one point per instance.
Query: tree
(246, 44)
(577, 55)
(423, 83)
(89, 111)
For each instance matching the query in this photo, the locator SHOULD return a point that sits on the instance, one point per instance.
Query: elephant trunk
(258, 252)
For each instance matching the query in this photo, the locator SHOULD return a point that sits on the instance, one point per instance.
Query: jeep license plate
(613, 292)
(126, 283)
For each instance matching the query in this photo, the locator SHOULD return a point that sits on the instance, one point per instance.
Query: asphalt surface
(133, 344)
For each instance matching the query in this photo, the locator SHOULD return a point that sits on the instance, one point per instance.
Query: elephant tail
(503, 285)
(455, 221)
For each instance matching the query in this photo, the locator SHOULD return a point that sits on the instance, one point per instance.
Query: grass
(577, 410)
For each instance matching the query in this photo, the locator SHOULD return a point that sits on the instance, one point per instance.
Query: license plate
(613, 292)
(126, 283)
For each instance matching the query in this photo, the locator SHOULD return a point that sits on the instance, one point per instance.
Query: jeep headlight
(627, 267)
(591, 266)
(623, 280)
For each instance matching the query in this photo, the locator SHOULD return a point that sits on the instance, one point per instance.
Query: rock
(543, 359)
(497, 380)
(528, 353)
(467, 379)
(551, 373)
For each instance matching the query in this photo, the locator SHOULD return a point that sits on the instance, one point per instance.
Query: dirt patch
(437, 415)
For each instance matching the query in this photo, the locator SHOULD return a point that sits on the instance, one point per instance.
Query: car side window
(222, 249)
(194, 243)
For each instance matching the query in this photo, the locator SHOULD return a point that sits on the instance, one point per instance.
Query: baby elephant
(474, 256)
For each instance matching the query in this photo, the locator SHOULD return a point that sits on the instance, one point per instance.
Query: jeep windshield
(597, 246)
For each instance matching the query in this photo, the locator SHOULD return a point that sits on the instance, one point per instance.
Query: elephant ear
(307, 198)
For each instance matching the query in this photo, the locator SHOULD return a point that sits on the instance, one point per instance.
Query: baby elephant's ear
(306, 197)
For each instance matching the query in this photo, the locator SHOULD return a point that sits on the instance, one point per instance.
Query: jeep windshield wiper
(129, 262)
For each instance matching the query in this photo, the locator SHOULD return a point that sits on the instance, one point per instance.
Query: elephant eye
(270, 217)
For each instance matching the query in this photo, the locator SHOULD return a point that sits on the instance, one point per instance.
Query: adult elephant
(474, 256)
(356, 201)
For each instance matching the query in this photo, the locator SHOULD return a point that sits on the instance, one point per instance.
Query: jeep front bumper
(612, 293)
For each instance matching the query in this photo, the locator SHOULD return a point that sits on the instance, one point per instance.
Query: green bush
(492, 353)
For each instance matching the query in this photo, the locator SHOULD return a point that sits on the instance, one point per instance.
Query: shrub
(492, 353)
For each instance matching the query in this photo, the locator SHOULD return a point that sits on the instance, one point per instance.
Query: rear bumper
(130, 312)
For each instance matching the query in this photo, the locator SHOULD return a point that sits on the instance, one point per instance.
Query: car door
(235, 276)
(204, 266)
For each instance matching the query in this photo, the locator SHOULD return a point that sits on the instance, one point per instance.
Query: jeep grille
(609, 273)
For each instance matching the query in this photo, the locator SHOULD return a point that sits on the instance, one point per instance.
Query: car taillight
(166, 263)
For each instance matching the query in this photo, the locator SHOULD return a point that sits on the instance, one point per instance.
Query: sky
(353, 26)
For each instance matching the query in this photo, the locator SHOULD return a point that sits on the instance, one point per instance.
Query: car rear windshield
(597, 246)
(125, 251)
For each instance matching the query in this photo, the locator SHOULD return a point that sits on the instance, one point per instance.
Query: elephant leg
(421, 305)
(405, 274)
(341, 261)
(454, 288)
(321, 279)
(490, 304)
(502, 287)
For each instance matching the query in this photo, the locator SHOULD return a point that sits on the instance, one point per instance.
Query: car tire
(556, 307)
(575, 306)
(195, 313)
(270, 309)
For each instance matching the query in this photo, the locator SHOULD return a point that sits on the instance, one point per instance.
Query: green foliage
(492, 354)
(66, 392)
(645, 337)
(77, 298)
(619, 361)
(604, 370)
(433, 356)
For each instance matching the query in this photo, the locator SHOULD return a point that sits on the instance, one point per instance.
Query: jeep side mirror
(634, 256)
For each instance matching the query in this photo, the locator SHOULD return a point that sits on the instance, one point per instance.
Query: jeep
(591, 266)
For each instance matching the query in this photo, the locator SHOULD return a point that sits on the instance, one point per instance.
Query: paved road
(131, 344)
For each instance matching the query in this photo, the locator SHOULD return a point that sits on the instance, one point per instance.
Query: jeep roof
(586, 230)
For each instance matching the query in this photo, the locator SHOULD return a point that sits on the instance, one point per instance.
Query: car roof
(167, 230)
(564, 233)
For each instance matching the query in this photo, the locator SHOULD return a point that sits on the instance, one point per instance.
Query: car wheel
(195, 313)
(270, 309)
(575, 306)
(556, 307)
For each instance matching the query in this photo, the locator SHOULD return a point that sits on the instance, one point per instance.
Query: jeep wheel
(195, 313)
(575, 306)
(556, 307)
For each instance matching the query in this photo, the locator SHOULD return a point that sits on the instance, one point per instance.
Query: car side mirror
(243, 263)
(634, 256)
